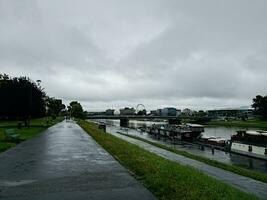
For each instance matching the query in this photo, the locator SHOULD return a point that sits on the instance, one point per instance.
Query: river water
(223, 132)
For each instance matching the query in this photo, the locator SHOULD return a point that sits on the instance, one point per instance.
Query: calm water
(223, 132)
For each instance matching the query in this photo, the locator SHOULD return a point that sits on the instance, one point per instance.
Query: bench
(11, 134)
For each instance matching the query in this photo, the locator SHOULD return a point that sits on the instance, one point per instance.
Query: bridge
(124, 119)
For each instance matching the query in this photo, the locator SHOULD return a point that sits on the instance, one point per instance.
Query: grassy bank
(37, 126)
(164, 178)
(232, 168)
(256, 123)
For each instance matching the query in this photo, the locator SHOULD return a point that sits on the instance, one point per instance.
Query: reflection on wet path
(64, 162)
(61, 150)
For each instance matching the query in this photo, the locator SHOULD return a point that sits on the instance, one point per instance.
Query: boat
(252, 143)
(214, 141)
(185, 132)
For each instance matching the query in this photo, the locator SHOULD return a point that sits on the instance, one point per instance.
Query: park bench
(11, 134)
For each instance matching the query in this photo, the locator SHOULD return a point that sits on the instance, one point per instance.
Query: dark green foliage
(55, 106)
(201, 120)
(20, 98)
(141, 112)
(37, 126)
(260, 105)
(75, 110)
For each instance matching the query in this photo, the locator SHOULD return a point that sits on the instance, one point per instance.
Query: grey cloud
(198, 54)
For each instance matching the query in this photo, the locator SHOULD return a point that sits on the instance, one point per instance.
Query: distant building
(178, 112)
(110, 112)
(127, 111)
(95, 113)
(158, 112)
(188, 112)
(153, 112)
(231, 113)
(168, 111)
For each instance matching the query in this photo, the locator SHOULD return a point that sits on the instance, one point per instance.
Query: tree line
(260, 106)
(23, 99)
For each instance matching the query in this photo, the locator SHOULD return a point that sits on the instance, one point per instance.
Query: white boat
(250, 143)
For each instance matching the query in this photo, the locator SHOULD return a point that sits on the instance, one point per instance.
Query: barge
(186, 132)
(213, 141)
(250, 143)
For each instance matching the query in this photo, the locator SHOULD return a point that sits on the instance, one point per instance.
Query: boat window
(265, 151)
(250, 148)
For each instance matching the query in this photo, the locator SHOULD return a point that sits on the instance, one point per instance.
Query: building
(127, 111)
(187, 112)
(168, 111)
(158, 112)
(231, 114)
(95, 113)
(109, 112)
(178, 112)
(153, 112)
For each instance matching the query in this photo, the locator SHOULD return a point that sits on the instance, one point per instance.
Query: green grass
(164, 178)
(37, 126)
(255, 123)
(232, 168)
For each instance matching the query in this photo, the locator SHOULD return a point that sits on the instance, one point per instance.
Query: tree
(55, 106)
(20, 98)
(260, 106)
(75, 110)
(141, 112)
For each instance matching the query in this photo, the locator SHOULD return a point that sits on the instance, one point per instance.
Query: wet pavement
(65, 163)
(243, 183)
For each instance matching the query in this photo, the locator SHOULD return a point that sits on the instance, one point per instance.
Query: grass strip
(37, 126)
(255, 123)
(232, 168)
(167, 180)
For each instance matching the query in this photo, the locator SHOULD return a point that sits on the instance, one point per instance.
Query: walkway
(65, 163)
(243, 183)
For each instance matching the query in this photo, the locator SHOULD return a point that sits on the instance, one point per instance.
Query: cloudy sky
(113, 53)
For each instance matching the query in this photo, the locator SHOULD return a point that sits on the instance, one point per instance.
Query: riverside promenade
(64, 162)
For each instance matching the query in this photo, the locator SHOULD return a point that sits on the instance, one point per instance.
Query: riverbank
(232, 168)
(166, 179)
(255, 123)
(37, 126)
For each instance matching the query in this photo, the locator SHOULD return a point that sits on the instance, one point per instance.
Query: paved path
(65, 163)
(244, 183)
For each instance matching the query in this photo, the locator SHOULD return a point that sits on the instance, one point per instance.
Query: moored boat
(250, 143)
(214, 141)
(186, 132)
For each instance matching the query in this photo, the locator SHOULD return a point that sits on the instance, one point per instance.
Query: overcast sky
(114, 53)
